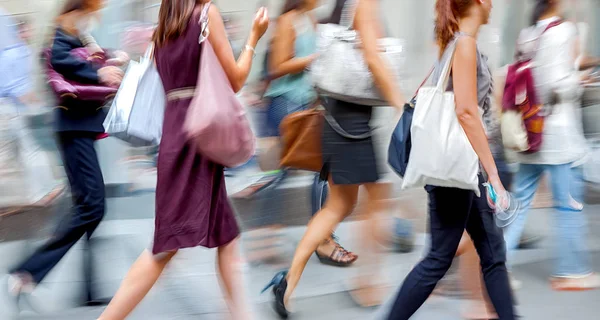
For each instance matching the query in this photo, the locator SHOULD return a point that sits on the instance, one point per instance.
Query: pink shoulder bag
(216, 121)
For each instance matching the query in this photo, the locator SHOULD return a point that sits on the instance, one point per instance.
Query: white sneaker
(576, 283)
(9, 297)
(514, 283)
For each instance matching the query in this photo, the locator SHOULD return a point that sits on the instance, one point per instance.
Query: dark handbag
(301, 140)
(65, 89)
(400, 145)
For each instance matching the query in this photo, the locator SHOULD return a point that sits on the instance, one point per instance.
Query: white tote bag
(137, 112)
(441, 153)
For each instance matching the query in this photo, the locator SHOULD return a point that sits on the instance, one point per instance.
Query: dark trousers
(451, 211)
(87, 189)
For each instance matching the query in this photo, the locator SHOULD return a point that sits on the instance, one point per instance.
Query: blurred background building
(410, 20)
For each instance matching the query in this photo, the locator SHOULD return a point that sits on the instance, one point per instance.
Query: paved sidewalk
(189, 289)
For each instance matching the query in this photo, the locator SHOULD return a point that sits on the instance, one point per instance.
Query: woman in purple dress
(192, 208)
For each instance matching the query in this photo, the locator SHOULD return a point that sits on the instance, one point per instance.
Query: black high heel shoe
(279, 284)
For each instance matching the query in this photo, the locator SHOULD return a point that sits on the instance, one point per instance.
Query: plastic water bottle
(504, 215)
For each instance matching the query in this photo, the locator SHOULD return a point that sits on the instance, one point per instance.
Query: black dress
(348, 161)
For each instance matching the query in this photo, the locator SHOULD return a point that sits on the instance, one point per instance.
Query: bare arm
(237, 71)
(367, 24)
(464, 77)
(282, 60)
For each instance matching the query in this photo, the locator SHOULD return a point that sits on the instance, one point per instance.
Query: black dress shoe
(279, 284)
(279, 293)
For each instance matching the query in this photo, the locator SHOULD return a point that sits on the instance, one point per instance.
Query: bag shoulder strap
(339, 130)
(538, 41)
(411, 102)
(548, 27)
(149, 55)
(348, 13)
(203, 22)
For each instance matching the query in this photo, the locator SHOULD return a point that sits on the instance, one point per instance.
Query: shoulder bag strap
(548, 27)
(348, 13)
(203, 22)
(339, 130)
(149, 52)
(411, 103)
(539, 38)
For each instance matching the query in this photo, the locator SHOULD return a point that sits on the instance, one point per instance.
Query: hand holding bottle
(506, 207)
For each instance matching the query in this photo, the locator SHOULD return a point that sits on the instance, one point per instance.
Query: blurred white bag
(137, 112)
(441, 153)
(25, 169)
(514, 134)
(341, 72)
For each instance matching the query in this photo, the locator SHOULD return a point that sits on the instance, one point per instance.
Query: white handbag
(341, 72)
(441, 153)
(137, 112)
(514, 135)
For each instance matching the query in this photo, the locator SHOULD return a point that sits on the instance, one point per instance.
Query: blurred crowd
(328, 101)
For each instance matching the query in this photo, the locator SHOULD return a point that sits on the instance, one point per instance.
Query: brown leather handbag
(301, 140)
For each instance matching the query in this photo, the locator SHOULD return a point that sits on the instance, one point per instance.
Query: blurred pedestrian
(292, 50)
(78, 124)
(478, 304)
(347, 164)
(16, 64)
(563, 148)
(399, 235)
(25, 30)
(192, 208)
(453, 210)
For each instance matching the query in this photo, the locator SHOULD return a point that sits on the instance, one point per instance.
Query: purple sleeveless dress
(192, 207)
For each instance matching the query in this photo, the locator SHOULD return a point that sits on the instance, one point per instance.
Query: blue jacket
(75, 115)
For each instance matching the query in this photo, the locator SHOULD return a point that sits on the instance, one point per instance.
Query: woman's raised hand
(261, 22)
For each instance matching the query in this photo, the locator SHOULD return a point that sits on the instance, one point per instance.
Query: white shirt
(554, 72)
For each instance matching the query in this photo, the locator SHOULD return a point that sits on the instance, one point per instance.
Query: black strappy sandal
(337, 256)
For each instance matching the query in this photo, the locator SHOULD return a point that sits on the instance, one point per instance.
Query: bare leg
(367, 292)
(232, 284)
(478, 304)
(342, 199)
(139, 280)
(330, 249)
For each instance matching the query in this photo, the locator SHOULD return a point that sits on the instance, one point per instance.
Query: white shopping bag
(147, 114)
(26, 174)
(441, 153)
(137, 112)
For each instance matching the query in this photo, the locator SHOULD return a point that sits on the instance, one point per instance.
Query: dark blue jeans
(87, 189)
(451, 211)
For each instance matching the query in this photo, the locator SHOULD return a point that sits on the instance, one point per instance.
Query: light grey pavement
(189, 288)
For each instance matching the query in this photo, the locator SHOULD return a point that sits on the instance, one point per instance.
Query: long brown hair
(173, 19)
(447, 15)
(83, 5)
